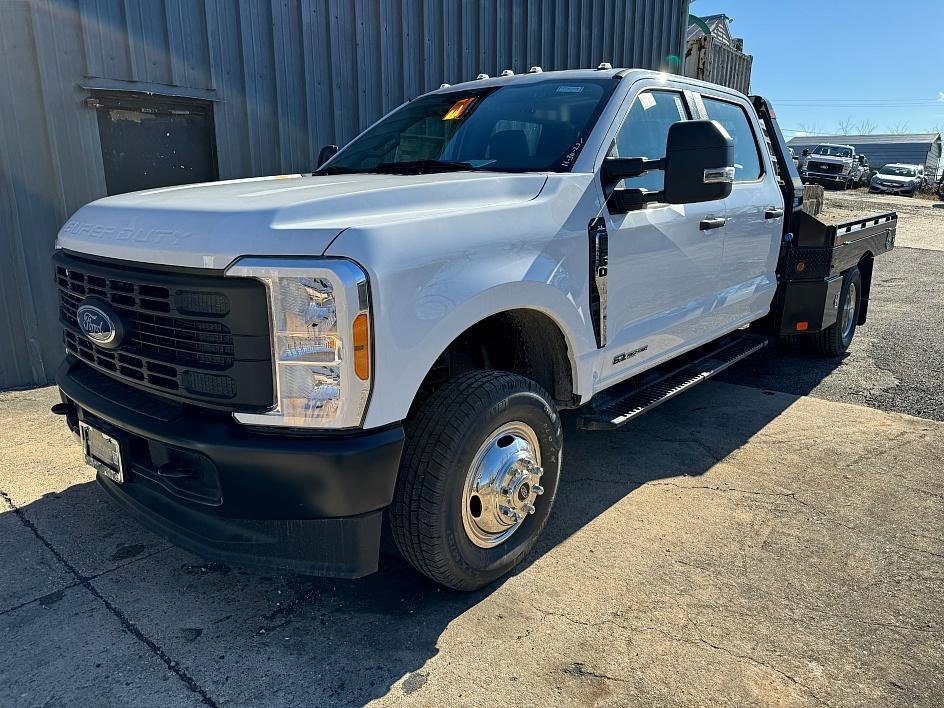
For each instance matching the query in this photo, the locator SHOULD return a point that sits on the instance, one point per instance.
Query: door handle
(711, 223)
(773, 213)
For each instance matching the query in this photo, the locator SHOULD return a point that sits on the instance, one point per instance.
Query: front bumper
(823, 178)
(307, 503)
(892, 189)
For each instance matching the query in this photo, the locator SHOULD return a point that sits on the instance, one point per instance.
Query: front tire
(477, 479)
(835, 339)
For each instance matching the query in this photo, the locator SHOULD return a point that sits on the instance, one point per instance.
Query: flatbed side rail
(851, 230)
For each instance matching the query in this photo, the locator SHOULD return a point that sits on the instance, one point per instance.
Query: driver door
(664, 260)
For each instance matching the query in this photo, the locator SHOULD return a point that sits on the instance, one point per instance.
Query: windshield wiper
(416, 167)
(336, 171)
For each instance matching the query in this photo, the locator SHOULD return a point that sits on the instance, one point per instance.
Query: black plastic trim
(264, 476)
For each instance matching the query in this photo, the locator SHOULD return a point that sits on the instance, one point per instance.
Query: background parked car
(896, 179)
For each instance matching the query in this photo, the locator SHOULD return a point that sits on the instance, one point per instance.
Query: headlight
(320, 319)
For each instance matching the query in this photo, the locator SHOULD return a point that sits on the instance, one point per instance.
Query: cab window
(645, 131)
(747, 165)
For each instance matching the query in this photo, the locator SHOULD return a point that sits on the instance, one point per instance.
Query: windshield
(525, 127)
(897, 171)
(833, 151)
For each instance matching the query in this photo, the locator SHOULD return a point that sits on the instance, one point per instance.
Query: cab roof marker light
(604, 66)
(481, 76)
(507, 72)
(535, 70)
(442, 86)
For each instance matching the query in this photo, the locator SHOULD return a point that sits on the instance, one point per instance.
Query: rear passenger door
(754, 212)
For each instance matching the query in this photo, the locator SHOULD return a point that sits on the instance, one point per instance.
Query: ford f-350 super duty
(271, 371)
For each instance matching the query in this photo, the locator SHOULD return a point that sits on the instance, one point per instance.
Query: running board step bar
(612, 410)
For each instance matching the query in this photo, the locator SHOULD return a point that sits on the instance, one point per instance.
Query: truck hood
(210, 225)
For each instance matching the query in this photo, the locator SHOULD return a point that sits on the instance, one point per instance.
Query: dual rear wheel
(835, 339)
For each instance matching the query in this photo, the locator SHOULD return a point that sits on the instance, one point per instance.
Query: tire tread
(433, 439)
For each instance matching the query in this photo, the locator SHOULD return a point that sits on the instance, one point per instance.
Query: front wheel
(478, 478)
(835, 339)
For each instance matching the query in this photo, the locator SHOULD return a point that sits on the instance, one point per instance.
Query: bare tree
(937, 128)
(809, 128)
(865, 127)
(898, 128)
(846, 127)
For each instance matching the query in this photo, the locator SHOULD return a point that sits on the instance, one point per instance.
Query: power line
(871, 100)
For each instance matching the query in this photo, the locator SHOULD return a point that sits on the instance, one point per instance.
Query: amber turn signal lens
(361, 347)
(801, 327)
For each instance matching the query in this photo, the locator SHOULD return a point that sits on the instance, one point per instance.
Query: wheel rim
(501, 488)
(848, 312)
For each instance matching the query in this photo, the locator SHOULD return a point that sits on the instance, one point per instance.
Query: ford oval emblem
(99, 323)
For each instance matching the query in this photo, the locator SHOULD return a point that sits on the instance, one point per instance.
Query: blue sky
(897, 85)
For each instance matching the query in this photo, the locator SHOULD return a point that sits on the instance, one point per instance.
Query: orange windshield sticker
(458, 108)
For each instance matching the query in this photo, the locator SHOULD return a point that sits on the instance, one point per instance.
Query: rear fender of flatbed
(812, 261)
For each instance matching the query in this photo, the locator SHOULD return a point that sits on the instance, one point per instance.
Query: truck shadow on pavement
(248, 637)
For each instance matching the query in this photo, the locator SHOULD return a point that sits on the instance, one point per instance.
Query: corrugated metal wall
(285, 76)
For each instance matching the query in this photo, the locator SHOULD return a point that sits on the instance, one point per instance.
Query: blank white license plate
(102, 452)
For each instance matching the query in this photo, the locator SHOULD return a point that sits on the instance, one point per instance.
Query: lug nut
(538, 489)
(528, 508)
(510, 513)
(537, 471)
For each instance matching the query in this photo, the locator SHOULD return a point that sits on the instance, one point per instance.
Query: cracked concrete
(735, 547)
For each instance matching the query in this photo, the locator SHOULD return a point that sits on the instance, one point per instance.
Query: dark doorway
(154, 141)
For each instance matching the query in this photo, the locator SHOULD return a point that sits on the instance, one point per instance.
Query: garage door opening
(154, 141)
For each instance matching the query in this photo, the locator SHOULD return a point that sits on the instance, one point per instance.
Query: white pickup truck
(269, 371)
(835, 166)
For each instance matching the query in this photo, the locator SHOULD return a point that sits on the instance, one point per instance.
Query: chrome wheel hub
(502, 485)
(848, 312)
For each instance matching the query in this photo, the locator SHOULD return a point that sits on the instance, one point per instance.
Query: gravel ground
(920, 221)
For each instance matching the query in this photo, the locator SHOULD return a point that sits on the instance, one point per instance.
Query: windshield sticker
(569, 89)
(572, 153)
(458, 108)
(647, 101)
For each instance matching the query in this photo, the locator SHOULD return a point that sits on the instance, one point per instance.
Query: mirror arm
(628, 167)
(621, 201)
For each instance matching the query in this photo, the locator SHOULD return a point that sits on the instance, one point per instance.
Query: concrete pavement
(736, 546)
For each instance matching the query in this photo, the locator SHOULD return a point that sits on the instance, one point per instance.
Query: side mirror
(327, 152)
(699, 162)
(806, 152)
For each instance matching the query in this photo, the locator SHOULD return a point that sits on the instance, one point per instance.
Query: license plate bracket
(102, 452)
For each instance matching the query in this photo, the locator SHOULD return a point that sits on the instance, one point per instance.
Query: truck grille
(829, 168)
(195, 337)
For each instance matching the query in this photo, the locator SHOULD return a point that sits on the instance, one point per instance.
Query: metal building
(911, 149)
(105, 96)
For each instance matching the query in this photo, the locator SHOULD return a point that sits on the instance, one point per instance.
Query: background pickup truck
(835, 166)
(272, 371)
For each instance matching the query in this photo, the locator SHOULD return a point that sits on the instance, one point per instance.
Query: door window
(645, 131)
(747, 165)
